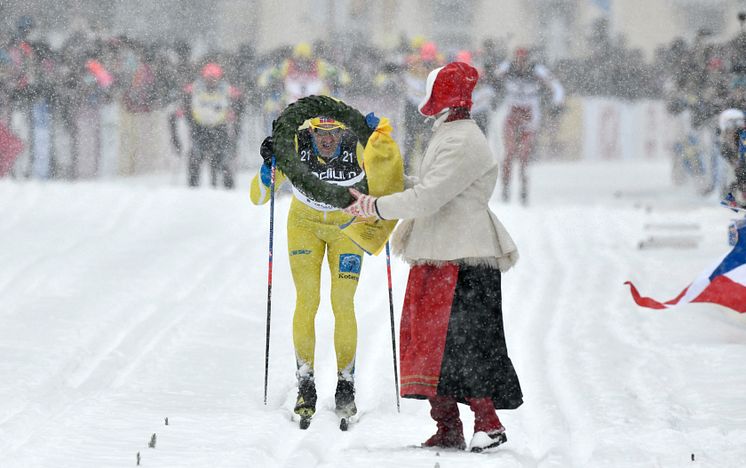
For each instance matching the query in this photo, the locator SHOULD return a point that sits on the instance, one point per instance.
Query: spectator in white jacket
(452, 341)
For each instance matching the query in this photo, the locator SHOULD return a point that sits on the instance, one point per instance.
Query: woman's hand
(364, 205)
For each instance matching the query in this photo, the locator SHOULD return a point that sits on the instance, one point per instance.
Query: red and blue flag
(724, 283)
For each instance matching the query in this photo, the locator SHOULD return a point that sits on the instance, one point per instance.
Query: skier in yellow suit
(333, 154)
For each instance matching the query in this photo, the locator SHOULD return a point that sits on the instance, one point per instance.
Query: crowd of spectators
(72, 83)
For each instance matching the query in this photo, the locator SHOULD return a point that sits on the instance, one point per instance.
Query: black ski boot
(344, 398)
(305, 404)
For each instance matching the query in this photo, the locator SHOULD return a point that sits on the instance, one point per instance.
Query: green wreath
(283, 138)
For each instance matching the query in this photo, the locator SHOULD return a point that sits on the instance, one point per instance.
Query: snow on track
(123, 303)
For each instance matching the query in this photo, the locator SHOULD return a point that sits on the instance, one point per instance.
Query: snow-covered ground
(126, 302)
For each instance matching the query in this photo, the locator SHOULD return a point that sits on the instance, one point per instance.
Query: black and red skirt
(452, 341)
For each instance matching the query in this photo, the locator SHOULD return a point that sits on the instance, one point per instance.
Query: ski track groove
(17, 210)
(140, 333)
(211, 267)
(529, 321)
(620, 329)
(553, 317)
(592, 374)
(143, 333)
(557, 325)
(590, 327)
(189, 321)
(19, 273)
(657, 375)
(56, 379)
(653, 375)
(562, 249)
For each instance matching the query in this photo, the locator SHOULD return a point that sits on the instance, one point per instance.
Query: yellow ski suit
(312, 233)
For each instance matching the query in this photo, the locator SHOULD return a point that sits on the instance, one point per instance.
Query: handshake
(364, 205)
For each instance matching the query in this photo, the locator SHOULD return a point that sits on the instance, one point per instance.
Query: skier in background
(523, 82)
(303, 74)
(212, 108)
(333, 154)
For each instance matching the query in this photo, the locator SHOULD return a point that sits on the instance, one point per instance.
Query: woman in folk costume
(452, 339)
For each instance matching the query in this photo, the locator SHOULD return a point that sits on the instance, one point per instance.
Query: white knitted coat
(445, 211)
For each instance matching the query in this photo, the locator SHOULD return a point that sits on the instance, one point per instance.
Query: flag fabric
(724, 283)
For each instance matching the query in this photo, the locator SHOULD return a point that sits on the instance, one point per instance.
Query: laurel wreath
(300, 175)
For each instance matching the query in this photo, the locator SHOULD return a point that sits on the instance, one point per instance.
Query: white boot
(482, 441)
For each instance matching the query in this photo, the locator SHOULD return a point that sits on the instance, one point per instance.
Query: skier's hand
(266, 151)
(364, 205)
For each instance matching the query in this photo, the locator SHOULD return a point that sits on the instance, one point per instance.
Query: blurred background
(108, 88)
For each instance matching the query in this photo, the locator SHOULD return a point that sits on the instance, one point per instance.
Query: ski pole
(393, 332)
(269, 273)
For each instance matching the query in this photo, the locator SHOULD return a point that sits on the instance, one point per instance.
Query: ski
(305, 404)
(344, 399)
(304, 422)
(348, 418)
(305, 417)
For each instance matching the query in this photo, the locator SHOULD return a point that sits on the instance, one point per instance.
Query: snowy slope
(123, 303)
